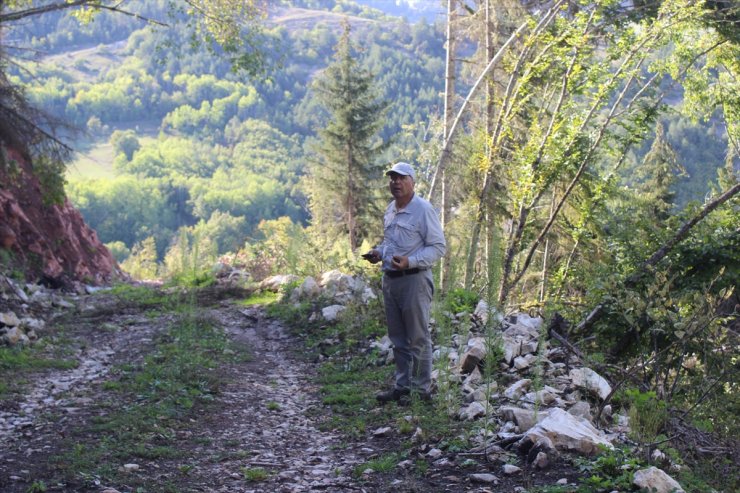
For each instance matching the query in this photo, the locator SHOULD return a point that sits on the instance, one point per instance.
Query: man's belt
(401, 273)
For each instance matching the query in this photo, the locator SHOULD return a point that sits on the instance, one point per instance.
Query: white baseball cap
(402, 168)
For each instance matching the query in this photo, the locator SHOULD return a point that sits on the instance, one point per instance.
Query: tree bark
(444, 273)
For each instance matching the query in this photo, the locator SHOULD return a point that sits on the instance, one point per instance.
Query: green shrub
(647, 415)
(460, 300)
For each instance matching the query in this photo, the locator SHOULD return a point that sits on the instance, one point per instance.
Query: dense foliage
(200, 139)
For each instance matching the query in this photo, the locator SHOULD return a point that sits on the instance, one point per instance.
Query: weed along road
(139, 390)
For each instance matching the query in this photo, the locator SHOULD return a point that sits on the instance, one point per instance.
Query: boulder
(14, 336)
(275, 283)
(473, 411)
(528, 321)
(29, 323)
(524, 418)
(383, 345)
(338, 286)
(581, 410)
(475, 353)
(484, 478)
(566, 432)
(541, 461)
(9, 319)
(523, 332)
(589, 380)
(331, 312)
(512, 348)
(474, 377)
(529, 347)
(545, 396)
(518, 389)
(523, 362)
(657, 481)
(309, 289)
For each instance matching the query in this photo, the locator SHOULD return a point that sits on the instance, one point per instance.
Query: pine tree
(657, 175)
(343, 190)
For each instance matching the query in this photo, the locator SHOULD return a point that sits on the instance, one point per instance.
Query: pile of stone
(20, 306)
(18, 331)
(550, 402)
(333, 292)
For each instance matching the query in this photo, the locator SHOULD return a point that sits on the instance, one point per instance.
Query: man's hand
(400, 262)
(373, 256)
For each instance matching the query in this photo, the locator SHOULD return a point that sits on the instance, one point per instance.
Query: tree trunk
(490, 111)
(444, 272)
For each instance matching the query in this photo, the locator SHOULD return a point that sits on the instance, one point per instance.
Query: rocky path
(265, 417)
(268, 406)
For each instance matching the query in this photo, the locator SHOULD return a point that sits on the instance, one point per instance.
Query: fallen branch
(648, 265)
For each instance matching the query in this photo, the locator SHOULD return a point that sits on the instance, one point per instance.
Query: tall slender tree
(342, 189)
(656, 176)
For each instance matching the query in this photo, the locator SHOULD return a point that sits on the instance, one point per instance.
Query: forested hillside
(172, 138)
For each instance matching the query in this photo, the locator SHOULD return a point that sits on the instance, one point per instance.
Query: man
(413, 241)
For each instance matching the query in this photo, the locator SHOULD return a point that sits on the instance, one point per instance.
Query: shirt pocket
(406, 233)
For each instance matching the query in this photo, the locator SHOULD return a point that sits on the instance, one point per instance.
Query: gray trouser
(407, 304)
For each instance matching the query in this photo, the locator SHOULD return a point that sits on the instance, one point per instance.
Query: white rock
(95, 289)
(61, 303)
(309, 289)
(341, 287)
(655, 480)
(582, 410)
(529, 347)
(562, 481)
(331, 312)
(274, 283)
(382, 432)
(473, 411)
(591, 381)
(9, 319)
(481, 312)
(524, 418)
(15, 336)
(475, 352)
(130, 467)
(474, 377)
(522, 362)
(512, 349)
(541, 461)
(32, 323)
(518, 389)
(435, 453)
(367, 295)
(567, 432)
(383, 345)
(510, 469)
(658, 456)
(484, 478)
(443, 463)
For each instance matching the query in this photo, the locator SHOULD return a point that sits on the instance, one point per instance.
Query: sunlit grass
(261, 298)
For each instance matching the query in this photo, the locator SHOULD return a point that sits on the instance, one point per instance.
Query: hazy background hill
(171, 137)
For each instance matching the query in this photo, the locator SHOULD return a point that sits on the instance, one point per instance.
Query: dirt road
(260, 433)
